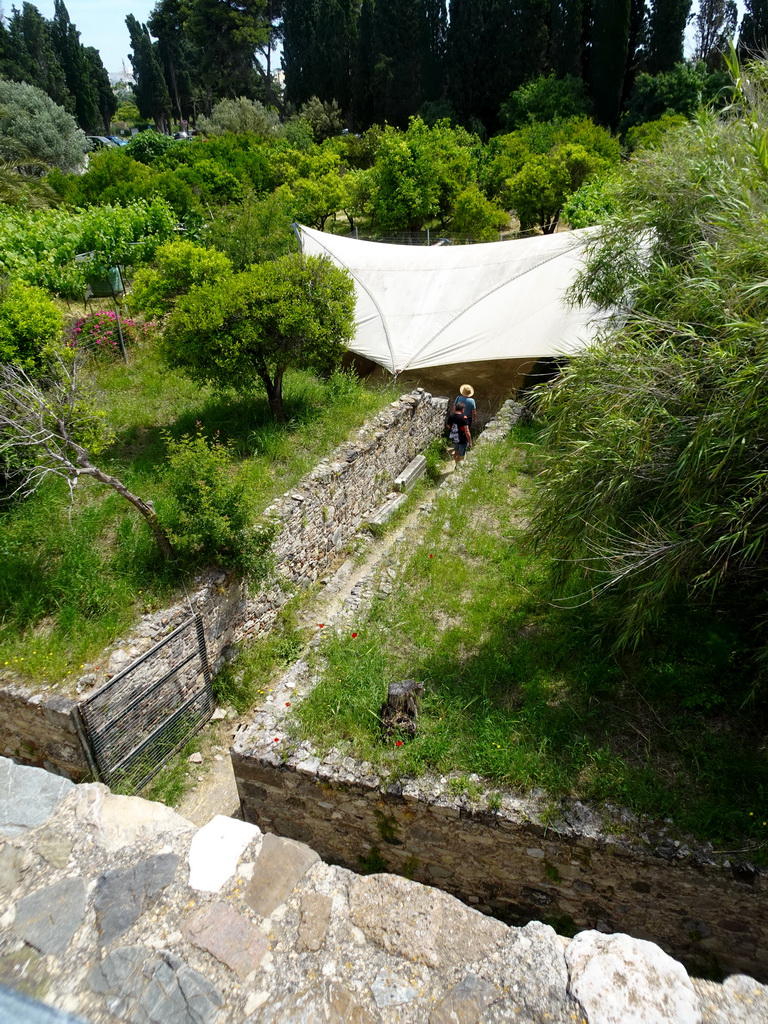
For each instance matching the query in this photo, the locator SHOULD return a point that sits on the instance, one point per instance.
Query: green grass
(76, 577)
(525, 694)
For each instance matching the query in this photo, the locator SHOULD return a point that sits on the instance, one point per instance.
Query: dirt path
(214, 791)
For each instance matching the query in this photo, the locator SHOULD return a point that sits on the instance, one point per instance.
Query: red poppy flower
(399, 743)
(287, 703)
(354, 635)
(320, 625)
(431, 556)
(277, 739)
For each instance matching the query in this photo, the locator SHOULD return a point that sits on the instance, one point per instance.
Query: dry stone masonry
(115, 910)
(315, 521)
(510, 855)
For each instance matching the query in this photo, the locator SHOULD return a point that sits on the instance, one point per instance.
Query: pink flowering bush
(97, 332)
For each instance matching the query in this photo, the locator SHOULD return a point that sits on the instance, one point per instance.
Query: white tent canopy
(421, 306)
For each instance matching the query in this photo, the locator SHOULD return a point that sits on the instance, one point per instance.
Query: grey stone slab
(14, 864)
(228, 936)
(412, 473)
(16, 1008)
(315, 918)
(124, 894)
(534, 973)
(280, 866)
(28, 796)
(144, 987)
(466, 1002)
(422, 924)
(49, 918)
(390, 989)
(326, 1003)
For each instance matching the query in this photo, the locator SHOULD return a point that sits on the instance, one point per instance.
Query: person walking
(460, 435)
(470, 407)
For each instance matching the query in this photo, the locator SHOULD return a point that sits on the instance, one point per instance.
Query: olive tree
(34, 129)
(246, 330)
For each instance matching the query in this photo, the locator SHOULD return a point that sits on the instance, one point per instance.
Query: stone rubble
(115, 909)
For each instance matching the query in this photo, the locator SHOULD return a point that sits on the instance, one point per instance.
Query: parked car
(117, 140)
(100, 142)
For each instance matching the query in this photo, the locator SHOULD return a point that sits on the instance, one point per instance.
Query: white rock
(621, 980)
(215, 851)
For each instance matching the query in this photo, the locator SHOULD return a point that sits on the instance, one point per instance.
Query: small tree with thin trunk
(49, 430)
(245, 331)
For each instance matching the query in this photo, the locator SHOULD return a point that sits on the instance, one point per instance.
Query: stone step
(385, 512)
(414, 471)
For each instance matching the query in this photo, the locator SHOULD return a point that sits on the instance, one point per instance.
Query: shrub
(240, 116)
(32, 125)
(98, 332)
(30, 324)
(179, 265)
(211, 516)
(148, 146)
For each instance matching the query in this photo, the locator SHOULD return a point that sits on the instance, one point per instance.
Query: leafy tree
(241, 115)
(253, 231)
(247, 330)
(715, 27)
(105, 97)
(179, 57)
(226, 35)
(650, 134)
(152, 97)
(654, 492)
(539, 189)
(545, 99)
(148, 146)
(177, 267)
(594, 203)
(679, 91)
(32, 123)
(417, 174)
(753, 33)
(476, 218)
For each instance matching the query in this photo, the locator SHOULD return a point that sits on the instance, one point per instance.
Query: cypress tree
(608, 51)
(566, 20)
(152, 97)
(666, 31)
(77, 69)
(31, 56)
(105, 97)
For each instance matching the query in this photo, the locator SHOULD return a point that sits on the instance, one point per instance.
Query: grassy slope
(75, 577)
(523, 694)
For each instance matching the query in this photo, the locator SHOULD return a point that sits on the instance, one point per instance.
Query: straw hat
(467, 390)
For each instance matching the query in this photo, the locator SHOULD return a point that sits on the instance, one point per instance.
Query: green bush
(30, 324)
(178, 266)
(148, 146)
(32, 125)
(211, 518)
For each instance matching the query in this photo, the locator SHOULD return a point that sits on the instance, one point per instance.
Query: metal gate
(141, 717)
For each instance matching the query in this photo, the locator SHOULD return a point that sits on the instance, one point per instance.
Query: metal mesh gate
(147, 712)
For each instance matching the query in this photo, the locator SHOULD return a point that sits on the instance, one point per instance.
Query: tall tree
(566, 30)
(227, 34)
(318, 48)
(152, 97)
(666, 32)
(397, 67)
(179, 57)
(27, 54)
(105, 97)
(753, 34)
(715, 27)
(78, 70)
(608, 52)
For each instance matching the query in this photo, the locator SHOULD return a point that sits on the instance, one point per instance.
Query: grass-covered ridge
(74, 578)
(518, 691)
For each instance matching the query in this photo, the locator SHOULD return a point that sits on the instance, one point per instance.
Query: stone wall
(41, 729)
(315, 520)
(580, 871)
(118, 910)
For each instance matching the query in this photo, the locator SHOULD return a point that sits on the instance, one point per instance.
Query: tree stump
(400, 711)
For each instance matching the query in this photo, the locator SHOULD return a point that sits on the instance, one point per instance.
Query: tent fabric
(421, 306)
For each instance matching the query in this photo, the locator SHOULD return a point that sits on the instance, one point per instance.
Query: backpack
(454, 434)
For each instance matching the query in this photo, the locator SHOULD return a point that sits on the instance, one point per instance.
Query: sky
(101, 23)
